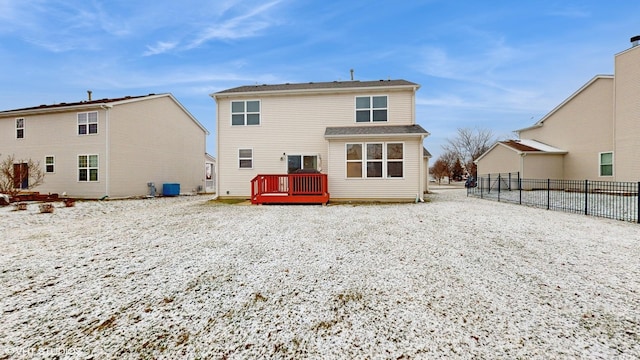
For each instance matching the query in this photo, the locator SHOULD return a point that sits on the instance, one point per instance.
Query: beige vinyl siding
(583, 127)
(405, 188)
(154, 140)
(500, 159)
(627, 116)
(542, 166)
(151, 140)
(56, 134)
(291, 124)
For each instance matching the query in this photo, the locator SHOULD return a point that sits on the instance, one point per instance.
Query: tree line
(460, 154)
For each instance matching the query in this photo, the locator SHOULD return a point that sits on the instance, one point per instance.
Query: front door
(21, 176)
(304, 162)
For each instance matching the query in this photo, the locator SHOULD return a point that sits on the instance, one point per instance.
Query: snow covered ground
(184, 277)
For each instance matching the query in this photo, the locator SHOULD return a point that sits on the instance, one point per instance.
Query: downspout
(522, 156)
(421, 178)
(217, 165)
(107, 149)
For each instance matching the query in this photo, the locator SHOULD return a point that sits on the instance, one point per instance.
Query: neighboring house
(362, 134)
(426, 155)
(591, 135)
(109, 147)
(210, 174)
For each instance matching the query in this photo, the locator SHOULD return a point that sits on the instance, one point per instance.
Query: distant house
(210, 173)
(109, 147)
(591, 135)
(362, 134)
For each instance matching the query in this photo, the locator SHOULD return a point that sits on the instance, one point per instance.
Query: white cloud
(245, 25)
(160, 47)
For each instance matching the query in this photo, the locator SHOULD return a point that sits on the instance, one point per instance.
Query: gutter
(107, 150)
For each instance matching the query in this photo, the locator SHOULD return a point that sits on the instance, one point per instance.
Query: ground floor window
(301, 162)
(375, 160)
(87, 167)
(49, 164)
(606, 164)
(245, 158)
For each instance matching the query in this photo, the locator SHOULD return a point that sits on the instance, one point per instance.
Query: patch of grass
(226, 201)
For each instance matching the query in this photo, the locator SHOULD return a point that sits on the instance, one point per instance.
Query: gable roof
(94, 104)
(567, 100)
(316, 86)
(78, 103)
(364, 131)
(525, 146)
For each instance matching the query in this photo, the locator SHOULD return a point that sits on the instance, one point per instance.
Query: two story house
(591, 135)
(362, 134)
(118, 147)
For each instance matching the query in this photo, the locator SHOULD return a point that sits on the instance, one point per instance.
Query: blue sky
(498, 65)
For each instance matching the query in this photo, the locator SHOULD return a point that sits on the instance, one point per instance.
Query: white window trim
(613, 170)
(88, 168)
(87, 124)
(245, 113)
(347, 161)
(385, 161)
(245, 158)
(54, 164)
(355, 109)
(302, 156)
(24, 123)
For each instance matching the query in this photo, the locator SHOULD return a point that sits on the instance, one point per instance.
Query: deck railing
(289, 188)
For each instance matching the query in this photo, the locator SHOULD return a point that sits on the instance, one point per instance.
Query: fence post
(548, 194)
(520, 188)
(509, 182)
(489, 182)
(586, 197)
(499, 180)
(638, 204)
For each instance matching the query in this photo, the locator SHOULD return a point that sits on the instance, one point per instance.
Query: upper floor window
(20, 128)
(606, 164)
(245, 112)
(88, 123)
(371, 108)
(49, 164)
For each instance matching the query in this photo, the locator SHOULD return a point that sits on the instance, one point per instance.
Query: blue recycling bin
(170, 189)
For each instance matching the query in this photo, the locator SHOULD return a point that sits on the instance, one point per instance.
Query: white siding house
(109, 147)
(362, 134)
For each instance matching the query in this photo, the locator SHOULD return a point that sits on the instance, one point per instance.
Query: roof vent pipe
(635, 41)
(89, 94)
(351, 74)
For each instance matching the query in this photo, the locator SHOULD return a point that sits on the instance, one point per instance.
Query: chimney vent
(635, 41)
(89, 94)
(351, 74)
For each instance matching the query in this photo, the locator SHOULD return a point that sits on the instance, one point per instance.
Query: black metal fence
(613, 200)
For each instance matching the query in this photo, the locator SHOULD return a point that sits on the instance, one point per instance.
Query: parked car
(470, 183)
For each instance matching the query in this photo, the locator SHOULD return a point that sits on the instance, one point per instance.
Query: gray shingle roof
(318, 85)
(374, 130)
(85, 102)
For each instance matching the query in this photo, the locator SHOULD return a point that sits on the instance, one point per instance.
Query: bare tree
(17, 175)
(449, 158)
(439, 170)
(469, 144)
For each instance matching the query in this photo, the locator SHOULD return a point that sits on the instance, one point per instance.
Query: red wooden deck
(290, 189)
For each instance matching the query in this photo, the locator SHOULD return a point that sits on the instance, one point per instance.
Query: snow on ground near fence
(456, 277)
(612, 206)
